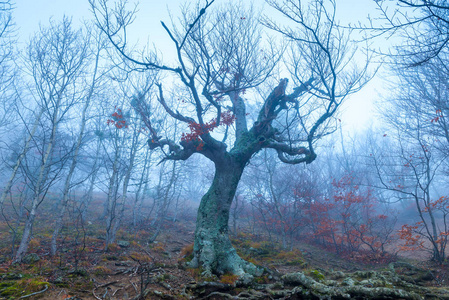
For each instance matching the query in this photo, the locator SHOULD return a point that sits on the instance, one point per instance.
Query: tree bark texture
(213, 250)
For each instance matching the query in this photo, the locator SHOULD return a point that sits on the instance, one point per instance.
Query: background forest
(92, 186)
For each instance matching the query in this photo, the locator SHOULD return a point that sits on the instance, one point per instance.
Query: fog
(275, 127)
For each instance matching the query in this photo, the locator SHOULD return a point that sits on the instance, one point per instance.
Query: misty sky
(357, 113)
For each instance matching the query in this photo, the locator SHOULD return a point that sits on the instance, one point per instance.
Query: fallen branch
(113, 294)
(134, 286)
(107, 284)
(124, 271)
(96, 297)
(36, 293)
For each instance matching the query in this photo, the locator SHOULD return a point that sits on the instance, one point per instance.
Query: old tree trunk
(213, 250)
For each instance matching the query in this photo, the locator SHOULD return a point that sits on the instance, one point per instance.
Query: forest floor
(132, 269)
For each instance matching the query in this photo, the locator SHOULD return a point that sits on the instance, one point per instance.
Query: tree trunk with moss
(213, 250)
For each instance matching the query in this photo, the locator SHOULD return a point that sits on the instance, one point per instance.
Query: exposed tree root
(212, 247)
(307, 286)
(299, 286)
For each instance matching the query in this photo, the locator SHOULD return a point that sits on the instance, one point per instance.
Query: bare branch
(176, 115)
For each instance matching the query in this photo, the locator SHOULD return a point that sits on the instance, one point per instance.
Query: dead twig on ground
(107, 284)
(113, 294)
(93, 293)
(134, 286)
(36, 293)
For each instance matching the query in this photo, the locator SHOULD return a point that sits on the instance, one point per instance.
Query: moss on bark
(213, 250)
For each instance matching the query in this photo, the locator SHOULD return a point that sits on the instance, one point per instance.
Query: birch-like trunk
(111, 200)
(89, 194)
(66, 190)
(26, 237)
(119, 215)
(141, 189)
(164, 197)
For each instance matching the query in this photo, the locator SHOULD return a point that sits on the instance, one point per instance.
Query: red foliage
(347, 221)
(438, 116)
(412, 241)
(197, 130)
(227, 118)
(117, 120)
(419, 235)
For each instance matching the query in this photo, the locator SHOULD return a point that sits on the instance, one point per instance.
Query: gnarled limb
(175, 152)
(282, 149)
(277, 101)
(307, 159)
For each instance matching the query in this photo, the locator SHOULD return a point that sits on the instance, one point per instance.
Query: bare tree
(93, 158)
(425, 95)
(220, 59)
(6, 8)
(271, 187)
(114, 146)
(56, 56)
(122, 147)
(77, 147)
(130, 166)
(412, 171)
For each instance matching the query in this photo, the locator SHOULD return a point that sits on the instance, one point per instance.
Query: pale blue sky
(357, 111)
(29, 13)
